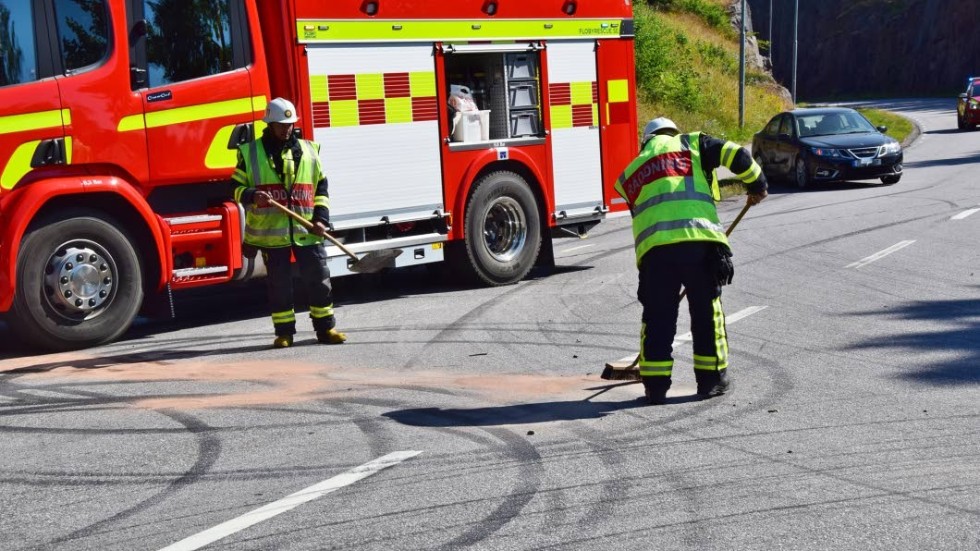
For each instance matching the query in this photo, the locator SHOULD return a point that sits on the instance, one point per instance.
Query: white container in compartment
(472, 126)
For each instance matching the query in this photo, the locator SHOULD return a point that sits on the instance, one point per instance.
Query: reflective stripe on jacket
(669, 195)
(268, 227)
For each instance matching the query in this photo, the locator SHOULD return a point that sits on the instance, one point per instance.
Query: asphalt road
(468, 417)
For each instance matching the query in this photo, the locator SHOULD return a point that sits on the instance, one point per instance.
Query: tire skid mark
(530, 459)
(684, 483)
(208, 451)
(372, 429)
(520, 453)
(611, 489)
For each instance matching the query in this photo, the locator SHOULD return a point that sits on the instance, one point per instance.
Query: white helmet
(280, 110)
(659, 125)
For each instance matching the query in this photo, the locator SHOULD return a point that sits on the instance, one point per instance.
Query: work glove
(320, 228)
(755, 198)
(723, 266)
(261, 199)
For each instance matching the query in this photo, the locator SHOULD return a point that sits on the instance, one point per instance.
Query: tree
(188, 38)
(11, 55)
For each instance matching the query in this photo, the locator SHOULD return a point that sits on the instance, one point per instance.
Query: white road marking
(881, 254)
(563, 251)
(40, 393)
(964, 214)
(728, 319)
(741, 314)
(266, 512)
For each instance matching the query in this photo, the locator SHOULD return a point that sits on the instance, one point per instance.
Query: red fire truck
(119, 121)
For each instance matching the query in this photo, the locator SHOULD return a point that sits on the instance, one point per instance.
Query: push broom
(629, 371)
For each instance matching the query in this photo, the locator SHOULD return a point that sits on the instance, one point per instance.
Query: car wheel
(79, 283)
(800, 176)
(503, 228)
(891, 179)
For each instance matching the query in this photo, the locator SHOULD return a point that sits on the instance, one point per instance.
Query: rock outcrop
(872, 48)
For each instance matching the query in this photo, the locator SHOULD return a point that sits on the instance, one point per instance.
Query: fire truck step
(204, 270)
(192, 219)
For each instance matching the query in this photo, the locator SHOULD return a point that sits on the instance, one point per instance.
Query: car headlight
(891, 148)
(974, 104)
(826, 152)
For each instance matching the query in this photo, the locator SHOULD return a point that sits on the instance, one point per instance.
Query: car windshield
(833, 122)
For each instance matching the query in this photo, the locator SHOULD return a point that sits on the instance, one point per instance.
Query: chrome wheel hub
(79, 279)
(504, 229)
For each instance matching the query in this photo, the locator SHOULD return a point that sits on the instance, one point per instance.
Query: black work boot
(656, 389)
(711, 384)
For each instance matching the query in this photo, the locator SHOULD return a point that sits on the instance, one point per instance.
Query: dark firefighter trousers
(315, 275)
(664, 272)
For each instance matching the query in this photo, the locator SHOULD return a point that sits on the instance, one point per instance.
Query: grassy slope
(687, 69)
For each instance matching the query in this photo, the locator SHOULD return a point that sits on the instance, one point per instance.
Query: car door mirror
(882, 129)
(785, 137)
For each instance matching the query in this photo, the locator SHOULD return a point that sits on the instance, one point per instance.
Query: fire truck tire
(502, 228)
(79, 283)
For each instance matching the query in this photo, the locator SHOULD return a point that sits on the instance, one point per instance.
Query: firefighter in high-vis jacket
(671, 189)
(282, 167)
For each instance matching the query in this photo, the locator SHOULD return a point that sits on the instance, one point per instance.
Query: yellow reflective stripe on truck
(350, 30)
(19, 164)
(218, 155)
(34, 121)
(180, 115)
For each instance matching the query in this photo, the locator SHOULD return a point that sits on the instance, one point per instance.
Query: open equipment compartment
(506, 82)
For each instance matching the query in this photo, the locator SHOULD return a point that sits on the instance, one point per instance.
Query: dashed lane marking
(964, 214)
(266, 512)
(728, 319)
(741, 314)
(880, 254)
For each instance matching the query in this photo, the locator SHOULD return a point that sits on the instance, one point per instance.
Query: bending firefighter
(671, 189)
(281, 167)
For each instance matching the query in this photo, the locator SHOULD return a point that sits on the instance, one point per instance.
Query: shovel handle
(727, 233)
(737, 219)
(311, 226)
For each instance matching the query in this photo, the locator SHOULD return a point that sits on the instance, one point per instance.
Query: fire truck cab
(472, 130)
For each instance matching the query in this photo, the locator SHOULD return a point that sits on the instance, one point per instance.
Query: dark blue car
(826, 144)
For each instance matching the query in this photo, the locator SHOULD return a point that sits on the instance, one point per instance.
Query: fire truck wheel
(503, 228)
(79, 283)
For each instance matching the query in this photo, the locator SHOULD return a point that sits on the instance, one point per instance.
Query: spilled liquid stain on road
(255, 383)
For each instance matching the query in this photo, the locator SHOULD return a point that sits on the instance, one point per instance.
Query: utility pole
(796, 24)
(769, 36)
(741, 73)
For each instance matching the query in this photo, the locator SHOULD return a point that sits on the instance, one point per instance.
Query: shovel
(624, 370)
(373, 261)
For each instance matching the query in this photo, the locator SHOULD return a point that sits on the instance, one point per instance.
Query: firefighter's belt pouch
(249, 251)
(724, 268)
